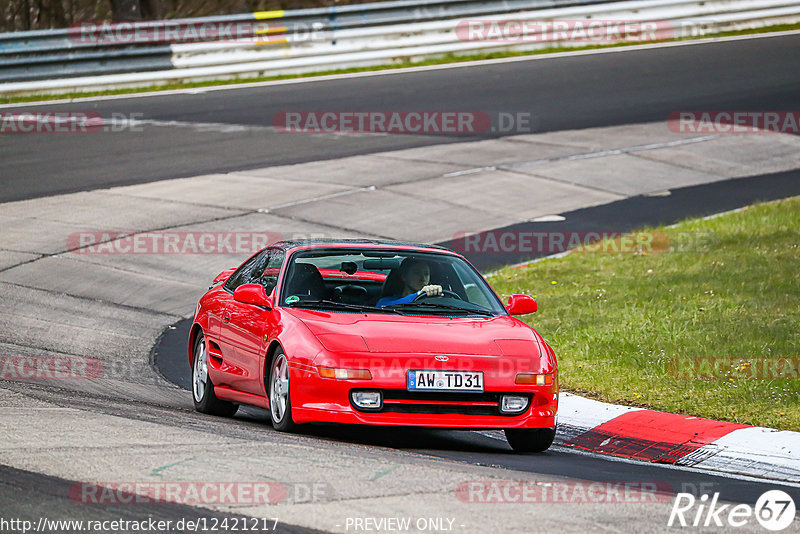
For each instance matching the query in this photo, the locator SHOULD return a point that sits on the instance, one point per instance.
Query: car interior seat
(393, 284)
(307, 281)
(350, 294)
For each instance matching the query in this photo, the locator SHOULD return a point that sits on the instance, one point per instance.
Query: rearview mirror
(253, 294)
(521, 305)
(349, 267)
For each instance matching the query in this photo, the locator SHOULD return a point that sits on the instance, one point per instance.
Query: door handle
(226, 317)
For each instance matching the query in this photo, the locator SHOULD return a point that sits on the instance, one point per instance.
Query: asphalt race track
(60, 435)
(560, 94)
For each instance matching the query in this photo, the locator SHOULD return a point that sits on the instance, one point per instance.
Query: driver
(416, 276)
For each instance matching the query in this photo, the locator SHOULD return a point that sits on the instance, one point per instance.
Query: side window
(269, 276)
(243, 274)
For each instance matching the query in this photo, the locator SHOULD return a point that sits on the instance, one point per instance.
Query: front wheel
(530, 439)
(280, 403)
(205, 401)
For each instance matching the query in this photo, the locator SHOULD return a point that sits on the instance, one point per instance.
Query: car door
(221, 372)
(245, 328)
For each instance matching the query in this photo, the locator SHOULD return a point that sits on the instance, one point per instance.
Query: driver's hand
(431, 291)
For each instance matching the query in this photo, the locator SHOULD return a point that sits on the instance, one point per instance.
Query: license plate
(445, 380)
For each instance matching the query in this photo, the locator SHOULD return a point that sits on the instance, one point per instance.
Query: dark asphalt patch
(640, 211)
(29, 496)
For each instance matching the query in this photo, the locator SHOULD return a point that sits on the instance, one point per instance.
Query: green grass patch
(444, 59)
(727, 288)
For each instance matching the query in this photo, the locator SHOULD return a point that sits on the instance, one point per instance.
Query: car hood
(379, 333)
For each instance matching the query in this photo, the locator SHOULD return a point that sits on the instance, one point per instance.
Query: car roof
(344, 243)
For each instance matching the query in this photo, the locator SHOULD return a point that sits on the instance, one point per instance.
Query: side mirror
(253, 294)
(521, 305)
(224, 275)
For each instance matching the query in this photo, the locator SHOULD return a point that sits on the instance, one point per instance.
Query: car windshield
(387, 281)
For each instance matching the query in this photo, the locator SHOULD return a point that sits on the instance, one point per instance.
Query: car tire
(530, 439)
(280, 402)
(205, 400)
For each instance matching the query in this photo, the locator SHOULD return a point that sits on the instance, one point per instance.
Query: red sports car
(372, 332)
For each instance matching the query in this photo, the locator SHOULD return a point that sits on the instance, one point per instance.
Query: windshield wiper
(485, 313)
(355, 307)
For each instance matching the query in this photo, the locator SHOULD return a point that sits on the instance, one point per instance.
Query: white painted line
(583, 155)
(529, 262)
(549, 218)
(221, 127)
(664, 193)
(409, 70)
(712, 216)
(612, 152)
(469, 171)
(317, 199)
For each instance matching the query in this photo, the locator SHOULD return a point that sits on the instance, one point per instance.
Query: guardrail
(91, 57)
(75, 51)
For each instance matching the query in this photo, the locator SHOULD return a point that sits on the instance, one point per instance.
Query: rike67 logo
(774, 510)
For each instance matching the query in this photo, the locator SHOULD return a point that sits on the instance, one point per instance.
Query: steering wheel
(445, 293)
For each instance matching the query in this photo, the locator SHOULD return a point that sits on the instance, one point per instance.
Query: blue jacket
(388, 301)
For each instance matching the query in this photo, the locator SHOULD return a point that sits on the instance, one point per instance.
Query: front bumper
(317, 399)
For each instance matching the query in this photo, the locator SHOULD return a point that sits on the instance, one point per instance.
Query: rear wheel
(280, 403)
(205, 400)
(530, 439)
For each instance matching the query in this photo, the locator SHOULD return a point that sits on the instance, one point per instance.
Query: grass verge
(445, 59)
(680, 330)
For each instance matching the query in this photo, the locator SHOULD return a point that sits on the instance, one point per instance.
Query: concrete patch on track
(63, 299)
(732, 156)
(358, 171)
